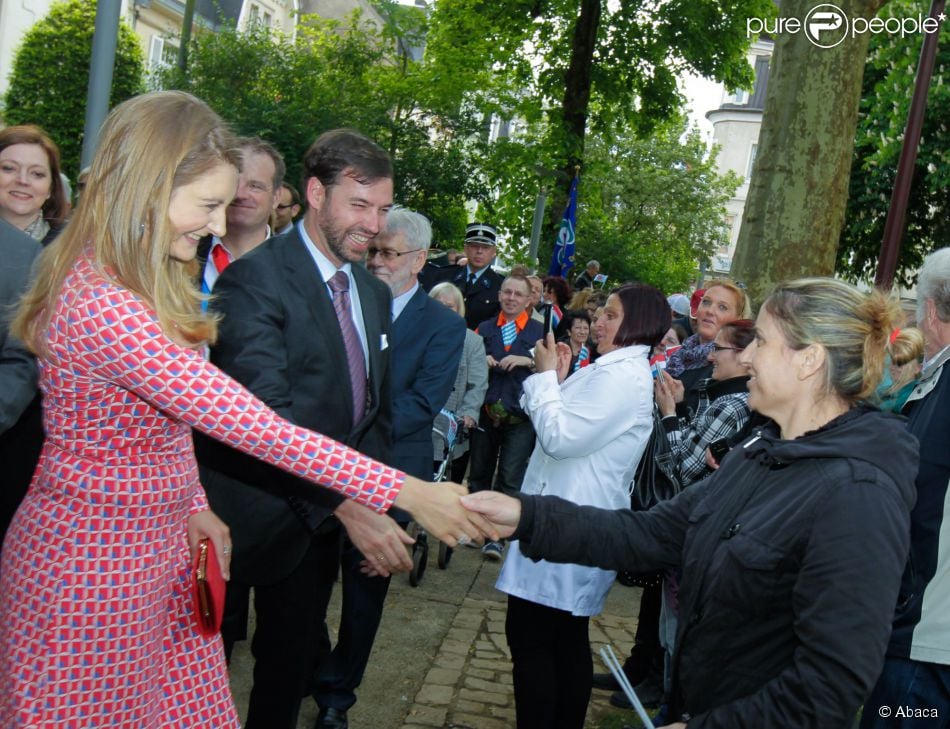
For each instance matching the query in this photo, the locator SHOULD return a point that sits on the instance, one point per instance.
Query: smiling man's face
(256, 198)
(351, 214)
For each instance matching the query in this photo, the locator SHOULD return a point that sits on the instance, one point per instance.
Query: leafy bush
(50, 77)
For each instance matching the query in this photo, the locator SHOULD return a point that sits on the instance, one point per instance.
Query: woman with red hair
(31, 189)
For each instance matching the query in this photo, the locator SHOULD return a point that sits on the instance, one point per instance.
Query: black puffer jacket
(792, 554)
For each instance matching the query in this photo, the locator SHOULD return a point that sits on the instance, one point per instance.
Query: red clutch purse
(208, 590)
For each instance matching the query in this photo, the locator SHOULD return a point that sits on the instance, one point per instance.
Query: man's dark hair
(559, 287)
(576, 315)
(294, 195)
(345, 151)
(646, 315)
(256, 145)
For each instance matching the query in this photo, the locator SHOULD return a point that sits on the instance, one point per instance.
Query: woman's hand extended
(437, 508)
(503, 512)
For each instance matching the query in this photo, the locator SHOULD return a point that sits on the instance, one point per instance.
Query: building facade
(157, 23)
(736, 123)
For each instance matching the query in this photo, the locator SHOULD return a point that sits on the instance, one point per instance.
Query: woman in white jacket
(591, 431)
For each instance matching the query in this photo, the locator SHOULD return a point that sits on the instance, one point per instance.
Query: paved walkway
(469, 684)
(441, 659)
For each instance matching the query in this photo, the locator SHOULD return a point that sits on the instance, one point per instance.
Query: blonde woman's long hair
(149, 146)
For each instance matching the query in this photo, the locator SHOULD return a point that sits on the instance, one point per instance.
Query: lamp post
(185, 39)
(897, 212)
(104, 41)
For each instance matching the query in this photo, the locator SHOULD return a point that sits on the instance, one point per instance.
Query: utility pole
(185, 39)
(104, 41)
(897, 212)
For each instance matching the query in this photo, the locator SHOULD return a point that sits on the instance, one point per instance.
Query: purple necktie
(339, 283)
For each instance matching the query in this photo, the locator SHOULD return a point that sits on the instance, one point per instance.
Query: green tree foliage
(50, 77)
(338, 75)
(568, 68)
(885, 100)
(653, 206)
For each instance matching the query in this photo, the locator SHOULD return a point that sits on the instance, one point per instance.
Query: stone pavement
(441, 659)
(469, 684)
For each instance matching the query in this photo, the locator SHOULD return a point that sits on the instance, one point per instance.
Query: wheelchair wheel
(420, 558)
(445, 555)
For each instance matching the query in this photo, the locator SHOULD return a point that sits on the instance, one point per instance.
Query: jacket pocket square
(383, 342)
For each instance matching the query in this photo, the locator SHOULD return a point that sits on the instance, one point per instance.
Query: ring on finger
(381, 557)
(463, 540)
(227, 549)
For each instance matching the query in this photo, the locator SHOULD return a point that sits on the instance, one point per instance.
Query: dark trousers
(459, 467)
(551, 665)
(337, 677)
(647, 653)
(285, 638)
(906, 685)
(20, 450)
(505, 447)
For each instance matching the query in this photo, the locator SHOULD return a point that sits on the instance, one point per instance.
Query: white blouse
(591, 432)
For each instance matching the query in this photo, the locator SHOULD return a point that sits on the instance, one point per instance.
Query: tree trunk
(577, 84)
(577, 81)
(799, 186)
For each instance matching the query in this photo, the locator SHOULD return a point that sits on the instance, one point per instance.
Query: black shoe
(605, 682)
(331, 718)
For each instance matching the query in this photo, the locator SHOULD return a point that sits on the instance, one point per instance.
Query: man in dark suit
(426, 345)
(21, 430)
(477, 280)
(308, 332)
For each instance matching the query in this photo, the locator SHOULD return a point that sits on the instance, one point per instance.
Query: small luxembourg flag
(562, 260)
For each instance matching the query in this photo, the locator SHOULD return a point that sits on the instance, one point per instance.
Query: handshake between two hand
(446, 511)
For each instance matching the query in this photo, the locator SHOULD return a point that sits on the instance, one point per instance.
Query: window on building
(258, 14)
(729, 223)
(737, 96)
(162, 52)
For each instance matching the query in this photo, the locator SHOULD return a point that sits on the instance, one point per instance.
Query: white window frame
(162, 52)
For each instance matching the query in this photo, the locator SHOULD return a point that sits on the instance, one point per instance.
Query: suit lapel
(404, 326)
(371, 308)
(304, 281)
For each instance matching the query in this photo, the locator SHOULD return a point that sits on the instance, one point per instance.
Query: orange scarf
(511, 329)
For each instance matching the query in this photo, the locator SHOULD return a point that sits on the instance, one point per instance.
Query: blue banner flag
(563, 258)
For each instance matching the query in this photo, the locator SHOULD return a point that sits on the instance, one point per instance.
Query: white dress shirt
(327, 270)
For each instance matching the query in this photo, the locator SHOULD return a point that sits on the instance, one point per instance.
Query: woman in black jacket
(792, 551)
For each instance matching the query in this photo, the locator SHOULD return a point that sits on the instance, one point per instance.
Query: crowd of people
(199, 350)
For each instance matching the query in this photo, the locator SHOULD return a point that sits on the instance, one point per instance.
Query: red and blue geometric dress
(96, 623)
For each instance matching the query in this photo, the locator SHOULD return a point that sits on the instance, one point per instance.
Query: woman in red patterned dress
(96, 628)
